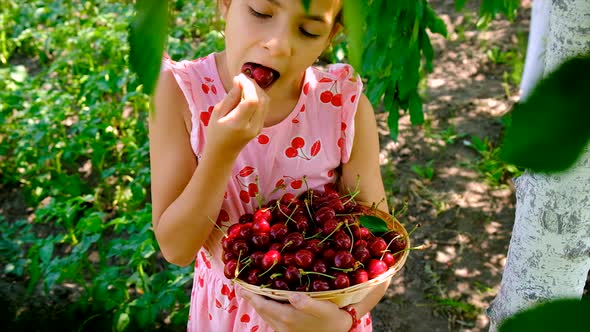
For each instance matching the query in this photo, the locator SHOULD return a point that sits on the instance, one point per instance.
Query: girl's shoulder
(337, 72)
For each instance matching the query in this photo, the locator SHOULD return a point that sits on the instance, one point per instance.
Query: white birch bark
(549, 252)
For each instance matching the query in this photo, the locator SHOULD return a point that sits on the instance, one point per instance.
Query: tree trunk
(549, 253)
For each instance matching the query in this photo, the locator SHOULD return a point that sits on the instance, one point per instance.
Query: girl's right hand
(238, 118)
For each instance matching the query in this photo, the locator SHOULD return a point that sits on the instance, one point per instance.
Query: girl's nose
(278, 43)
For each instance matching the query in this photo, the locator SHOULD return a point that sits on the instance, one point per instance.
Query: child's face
(278, 34)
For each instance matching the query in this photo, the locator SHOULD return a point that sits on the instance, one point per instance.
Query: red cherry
(377, 246)
(293, 240)
(260, 240)
(229, 269)
(233, 232)
(337, 100)
(270, 258)
(361, 254)
(389, 259)
(228, 256)
(280, 283)
(319, 285)
(257, 258)
(261, 226)
(278, 232)
(297, 142)
(326, 96)
(292, 274)
(263, 214)
(263, 76)
(248, 69)
(343, 260)
(319, 266)
(303, 258)
(342, 240)
(341, 280)
(240, 248)
(329, 226)
(253, 278)
(360, 276)
(324, 214)
(245, 218)
(288, 259)
(376, 267)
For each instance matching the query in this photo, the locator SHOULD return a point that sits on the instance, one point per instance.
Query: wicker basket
(349, 295)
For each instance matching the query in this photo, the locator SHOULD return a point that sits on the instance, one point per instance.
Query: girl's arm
(186, 195)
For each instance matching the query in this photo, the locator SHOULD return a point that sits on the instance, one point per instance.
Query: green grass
(73, 141)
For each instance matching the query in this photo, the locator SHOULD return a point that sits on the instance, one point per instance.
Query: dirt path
(466, 221)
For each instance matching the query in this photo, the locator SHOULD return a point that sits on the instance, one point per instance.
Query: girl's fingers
(229, 102)
(313, 307)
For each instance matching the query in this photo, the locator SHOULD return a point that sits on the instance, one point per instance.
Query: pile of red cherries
(313, 242)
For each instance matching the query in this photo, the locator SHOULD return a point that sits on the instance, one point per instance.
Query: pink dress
(312, 141)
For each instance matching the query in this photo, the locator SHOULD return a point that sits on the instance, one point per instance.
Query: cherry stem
(420, 247)
(397, 237)
(303, 272)
(292, 213)
(217, 226)
(335, 229)
(351, 238)
(343, 270)
(270, 268)
(356, 188)
(259, 198)
(309, 211)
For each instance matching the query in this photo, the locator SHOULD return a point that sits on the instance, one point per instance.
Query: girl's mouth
(264, 76)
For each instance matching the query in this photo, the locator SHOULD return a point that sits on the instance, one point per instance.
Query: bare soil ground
(466, 221)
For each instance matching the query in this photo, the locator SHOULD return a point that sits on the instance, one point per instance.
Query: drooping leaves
(548, 131)
(147, 38)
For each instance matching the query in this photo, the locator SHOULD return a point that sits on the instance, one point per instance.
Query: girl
(217, 138)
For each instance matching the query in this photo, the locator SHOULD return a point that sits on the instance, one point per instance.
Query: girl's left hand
(302, 314)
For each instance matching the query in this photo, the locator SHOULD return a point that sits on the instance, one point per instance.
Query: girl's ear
(224, 7)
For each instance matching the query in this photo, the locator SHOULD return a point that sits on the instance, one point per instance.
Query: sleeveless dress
(312, 141)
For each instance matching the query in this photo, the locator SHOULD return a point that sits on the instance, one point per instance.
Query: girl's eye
(307, 34)
(258, 14)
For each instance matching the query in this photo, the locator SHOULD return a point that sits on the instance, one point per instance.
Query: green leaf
(354, 16)
(122, 321)
(459, 4)
(306, 4)
(375, 224)
(416, 113)
(147, 38)
(549, 130)
(556, 315)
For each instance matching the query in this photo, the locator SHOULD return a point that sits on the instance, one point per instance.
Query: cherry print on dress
(295, 119)
(296, 148)
(207, 262)
(263, 139)
(208, 86)
(245, 318)
(254, 328)
(223, 218)
(206, 116)
(251, 188)
(331, 96)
